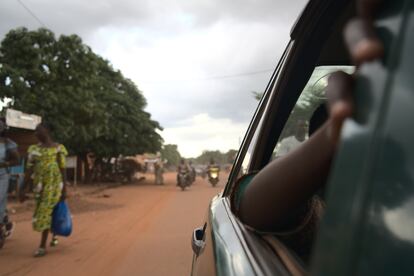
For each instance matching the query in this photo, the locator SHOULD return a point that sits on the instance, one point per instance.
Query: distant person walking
(159, 171)
(46, 166)
(8, 157)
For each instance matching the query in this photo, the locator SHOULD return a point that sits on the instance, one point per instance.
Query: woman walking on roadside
(8, 158)
(46, 166)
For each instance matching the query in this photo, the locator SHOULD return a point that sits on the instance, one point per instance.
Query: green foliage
(311, 97)
(217, 156)
(171, 154)
(90, 105)
(257, 95)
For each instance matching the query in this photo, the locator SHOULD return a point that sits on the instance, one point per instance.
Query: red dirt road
(139, 229)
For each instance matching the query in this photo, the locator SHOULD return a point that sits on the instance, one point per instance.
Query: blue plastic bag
(61, 220)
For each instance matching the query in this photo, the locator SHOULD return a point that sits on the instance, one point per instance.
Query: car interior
(297, 109)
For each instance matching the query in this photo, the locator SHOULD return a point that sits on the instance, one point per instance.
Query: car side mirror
(197, 241)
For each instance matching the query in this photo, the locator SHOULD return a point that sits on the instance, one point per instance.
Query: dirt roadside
(140, 229)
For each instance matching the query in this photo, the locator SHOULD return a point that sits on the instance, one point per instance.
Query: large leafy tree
(171, 154)
(218, 157)
(91, 106)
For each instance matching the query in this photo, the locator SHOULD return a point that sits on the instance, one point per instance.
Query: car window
(244, 169)
(243, 160)
(312, 98)
(247, 158)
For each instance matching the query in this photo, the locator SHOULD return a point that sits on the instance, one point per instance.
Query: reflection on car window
(313, 95)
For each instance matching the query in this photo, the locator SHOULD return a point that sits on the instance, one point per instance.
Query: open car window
(300, 125)
(296, 129)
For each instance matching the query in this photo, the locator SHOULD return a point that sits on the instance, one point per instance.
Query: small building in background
(21, 128)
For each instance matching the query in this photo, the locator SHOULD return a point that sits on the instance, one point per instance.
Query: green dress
(47, 181)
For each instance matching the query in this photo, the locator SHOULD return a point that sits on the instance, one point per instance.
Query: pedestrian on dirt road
(8, 157)
(159, 170)
(46, 167)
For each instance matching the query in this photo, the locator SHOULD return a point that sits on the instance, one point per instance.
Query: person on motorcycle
(212, 165)
(213, 170)
(183, 168)
(192, 171)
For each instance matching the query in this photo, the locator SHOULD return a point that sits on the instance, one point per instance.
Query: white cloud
(169, 48)
(172, 71)
(201, 132)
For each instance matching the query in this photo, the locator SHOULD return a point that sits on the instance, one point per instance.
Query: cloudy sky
(196, 61)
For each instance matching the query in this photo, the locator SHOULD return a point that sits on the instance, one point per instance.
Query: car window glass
(296, 129)
(243, 161)
(247, 156)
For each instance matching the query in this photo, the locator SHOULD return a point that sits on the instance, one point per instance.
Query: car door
(223, 245)
(369, 224)
(218, 245)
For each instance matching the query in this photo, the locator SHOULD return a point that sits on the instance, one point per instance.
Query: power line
(216, 77)
(32, 13)
(237, 75)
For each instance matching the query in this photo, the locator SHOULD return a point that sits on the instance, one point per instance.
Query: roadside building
(21, 128)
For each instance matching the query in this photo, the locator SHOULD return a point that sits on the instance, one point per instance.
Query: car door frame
(266, 126)
(301, 58)
(277, 103)
(359, 174)
(221, 224)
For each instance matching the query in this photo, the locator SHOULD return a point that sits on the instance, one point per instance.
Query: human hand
(364, 46)
(360, 36)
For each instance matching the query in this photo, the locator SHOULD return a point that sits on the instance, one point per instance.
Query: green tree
(230, 156)
(90, 105)
(311, 97)
(171, 154)
(218, 157)
(257, 95)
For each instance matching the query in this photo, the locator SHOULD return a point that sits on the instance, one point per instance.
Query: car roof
(314, 12)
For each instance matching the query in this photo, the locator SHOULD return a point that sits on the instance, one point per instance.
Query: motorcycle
(203, 174)
(193, 175)
(213, 176)
(183, 180)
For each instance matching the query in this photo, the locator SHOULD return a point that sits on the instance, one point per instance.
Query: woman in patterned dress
(46, 167)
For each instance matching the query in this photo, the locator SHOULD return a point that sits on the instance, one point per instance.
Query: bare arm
(61, 159)
(286, 183)
(12, 160)
(27, 178)
(64, 179)
(279, 190)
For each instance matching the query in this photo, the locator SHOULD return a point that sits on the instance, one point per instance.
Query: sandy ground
(137, 229)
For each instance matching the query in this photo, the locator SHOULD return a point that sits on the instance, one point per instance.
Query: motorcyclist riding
(192, 172)
(183, 174)
(213, 170)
